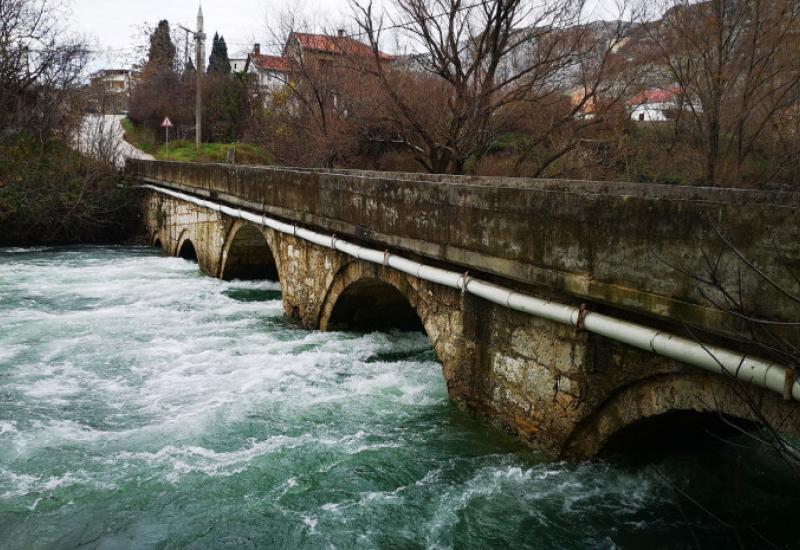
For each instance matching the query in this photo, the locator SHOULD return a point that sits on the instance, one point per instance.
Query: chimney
(340, 32)
(257, 49)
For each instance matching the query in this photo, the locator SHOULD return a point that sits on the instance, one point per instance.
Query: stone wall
(172, 222)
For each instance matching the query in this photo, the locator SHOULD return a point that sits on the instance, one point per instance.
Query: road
(102, 137)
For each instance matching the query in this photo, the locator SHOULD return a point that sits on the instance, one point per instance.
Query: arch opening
(373, 305)
(673, 433)
(679, 400)
(187, 251)
(157, 243)
(249, 257)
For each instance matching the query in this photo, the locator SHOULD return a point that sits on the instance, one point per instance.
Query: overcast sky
(113, 25)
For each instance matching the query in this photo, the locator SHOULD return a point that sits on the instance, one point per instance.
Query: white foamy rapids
(128, 354)
(137, 371)
(544, 491)
(17, 485)
(8, 427)
(21, 250)
(180, 461)
(8, 354)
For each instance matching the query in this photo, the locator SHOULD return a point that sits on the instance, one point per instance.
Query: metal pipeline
(712, 358)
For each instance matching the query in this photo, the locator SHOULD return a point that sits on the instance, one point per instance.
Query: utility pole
(200, 67)
(200, 37)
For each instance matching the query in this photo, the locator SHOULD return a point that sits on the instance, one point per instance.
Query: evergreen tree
(162, 50)
(218, 62)
(189, 75)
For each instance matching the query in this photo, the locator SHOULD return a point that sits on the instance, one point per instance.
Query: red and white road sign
(167, 123)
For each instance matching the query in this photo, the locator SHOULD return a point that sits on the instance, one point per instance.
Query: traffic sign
(167, 124)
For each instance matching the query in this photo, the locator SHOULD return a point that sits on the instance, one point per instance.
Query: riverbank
(50, 194)
(184, 150)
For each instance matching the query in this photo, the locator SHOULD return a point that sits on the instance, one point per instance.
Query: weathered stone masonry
(560, 389)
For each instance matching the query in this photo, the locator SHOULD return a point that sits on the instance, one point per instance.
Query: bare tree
(40, 68)
(489, 55)
(589, 82)
(319, 111)
(158, 89)
(736, 65)
(98, 138)
(737, 286)
(50, 193)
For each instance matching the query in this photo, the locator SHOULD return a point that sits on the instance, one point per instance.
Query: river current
(144, 405)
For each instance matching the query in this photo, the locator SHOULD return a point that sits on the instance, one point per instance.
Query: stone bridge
(631, 251)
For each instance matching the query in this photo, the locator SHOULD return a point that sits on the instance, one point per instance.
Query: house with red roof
(656, 104)
(272, 72)
(325, 46)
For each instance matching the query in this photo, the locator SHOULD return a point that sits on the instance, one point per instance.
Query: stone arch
(182, 236)
(187, 251)
(248, 254)
(362, 296)
(186, 248)
(662, 395)
(155, 241)
(372, 304)
(440, 311)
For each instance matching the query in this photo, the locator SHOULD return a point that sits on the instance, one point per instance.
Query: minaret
(200, 40)
(201, 69)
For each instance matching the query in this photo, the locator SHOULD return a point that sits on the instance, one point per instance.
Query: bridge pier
(560, 389)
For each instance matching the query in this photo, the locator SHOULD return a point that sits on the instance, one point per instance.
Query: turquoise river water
(143, 405)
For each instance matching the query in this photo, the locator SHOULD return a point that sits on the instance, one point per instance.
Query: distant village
(269, 73)
(559, 97)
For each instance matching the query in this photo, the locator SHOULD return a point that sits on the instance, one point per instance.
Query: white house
(112, 80)
(238, 65)
(655, 105)
(271, 71)
(109, 91)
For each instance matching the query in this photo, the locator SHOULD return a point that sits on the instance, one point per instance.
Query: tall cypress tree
(218, 61)
(162, 50)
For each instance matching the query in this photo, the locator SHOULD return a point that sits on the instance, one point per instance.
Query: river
(144, 405)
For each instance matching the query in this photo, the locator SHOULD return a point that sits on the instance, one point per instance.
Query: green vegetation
(138, 136)
(49, 194)
(185, 150)
(218, 62)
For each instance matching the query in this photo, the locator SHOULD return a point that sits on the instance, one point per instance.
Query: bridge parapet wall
(608, 243)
